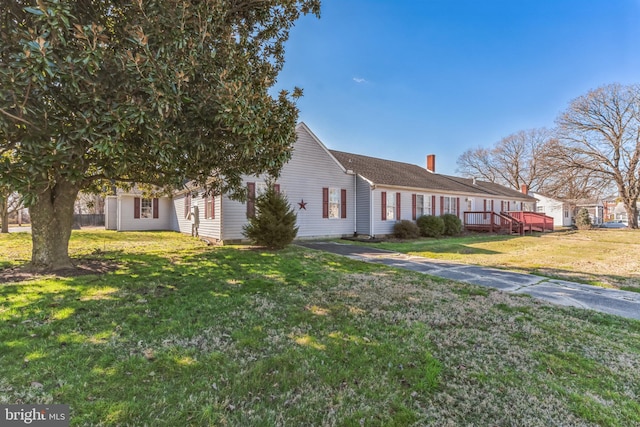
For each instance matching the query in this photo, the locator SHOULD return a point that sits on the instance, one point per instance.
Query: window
(419, 206)
(391, 207)
(261, 188)
(334, 203)
(449, 205)
(209, 207)
(540, 209)
(145, 208)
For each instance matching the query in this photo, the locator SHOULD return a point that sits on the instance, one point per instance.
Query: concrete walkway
(561, 292)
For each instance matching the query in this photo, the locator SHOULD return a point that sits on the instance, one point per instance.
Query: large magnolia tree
(125, 91)
(599, 139)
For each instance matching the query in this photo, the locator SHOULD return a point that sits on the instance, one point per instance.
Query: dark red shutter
(383, 196)
(441, 205)
(433, 205)
(414, 207)
(508, 206)
(343, 203)
(212, 208)
(136, 207)
(251, 199)
(458, 206)
(325, 202)
(398, 210)
(156, 211)
(501, 205)
(276, 188)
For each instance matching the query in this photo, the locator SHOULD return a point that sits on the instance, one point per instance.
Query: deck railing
(492, 222)
(507, 222)
(533, 221)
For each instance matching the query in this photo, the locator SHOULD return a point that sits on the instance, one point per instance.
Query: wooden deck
(512, 222)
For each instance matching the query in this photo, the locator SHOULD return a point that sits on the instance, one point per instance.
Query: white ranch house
(335, 194)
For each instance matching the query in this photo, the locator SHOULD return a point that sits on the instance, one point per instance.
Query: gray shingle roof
(398, 174)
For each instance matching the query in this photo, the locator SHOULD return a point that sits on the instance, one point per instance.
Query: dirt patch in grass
(83, 267)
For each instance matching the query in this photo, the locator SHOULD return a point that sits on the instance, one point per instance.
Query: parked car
(614, 224)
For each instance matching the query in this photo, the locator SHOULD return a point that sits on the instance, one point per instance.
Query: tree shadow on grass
(154, 326)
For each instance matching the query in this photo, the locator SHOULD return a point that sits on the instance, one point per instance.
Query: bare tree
(9, 202)
(477, 163)
(599, 139)
(514, 160)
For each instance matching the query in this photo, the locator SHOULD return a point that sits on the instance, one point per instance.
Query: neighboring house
(133, 211)
(334, 194)
(595, 207)
(561, 211)
(610, 203)
(565, 211)
(619, 212)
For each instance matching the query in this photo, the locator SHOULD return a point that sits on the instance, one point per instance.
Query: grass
(607, 258)
(184, 334)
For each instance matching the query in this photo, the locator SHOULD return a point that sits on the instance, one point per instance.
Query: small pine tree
(583, 220)
(274, 224)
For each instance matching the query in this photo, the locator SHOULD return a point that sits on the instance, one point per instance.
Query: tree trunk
(4, 214)
(51, 220)
(632, 212)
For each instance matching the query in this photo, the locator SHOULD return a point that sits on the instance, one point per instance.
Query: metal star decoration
(302, 205)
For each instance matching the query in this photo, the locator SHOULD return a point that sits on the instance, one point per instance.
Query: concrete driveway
(561, 292)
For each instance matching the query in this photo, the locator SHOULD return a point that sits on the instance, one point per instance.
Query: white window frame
(391, 206)
(419, 205)
(146, 208)
(428, 208)
(449, 205)
(261, 188)
(334, 203)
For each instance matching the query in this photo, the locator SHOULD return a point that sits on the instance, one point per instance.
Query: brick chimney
(524, 189)
(431, 163)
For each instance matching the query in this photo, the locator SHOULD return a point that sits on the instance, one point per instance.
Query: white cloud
(359, 80)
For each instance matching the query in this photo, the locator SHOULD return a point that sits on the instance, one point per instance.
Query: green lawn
(608, 258)
(181, 334)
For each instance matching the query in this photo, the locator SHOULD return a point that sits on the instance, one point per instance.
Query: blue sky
(400, 79)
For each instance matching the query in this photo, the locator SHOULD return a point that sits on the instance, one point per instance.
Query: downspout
(355, 200)
(371, 221)
(220, 228)
(355, 204)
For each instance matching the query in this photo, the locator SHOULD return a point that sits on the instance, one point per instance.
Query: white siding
(555, 209)
(126, 221)
(208, 227)
(111, 213)
(310, 169)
